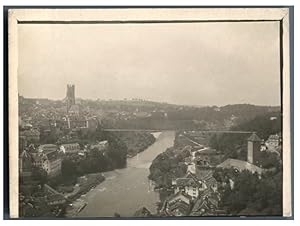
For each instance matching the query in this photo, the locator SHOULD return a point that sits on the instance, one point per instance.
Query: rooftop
(254, 137)
(178, 194)
(274, 137)
(241, 165)
(186, 182)
(47, 146)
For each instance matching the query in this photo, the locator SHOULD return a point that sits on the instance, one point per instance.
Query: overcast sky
(197, 64)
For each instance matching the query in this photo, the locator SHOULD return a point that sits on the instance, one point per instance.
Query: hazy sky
(198, 64)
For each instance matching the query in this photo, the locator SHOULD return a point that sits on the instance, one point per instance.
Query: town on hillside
(221, 162)
(197, 180)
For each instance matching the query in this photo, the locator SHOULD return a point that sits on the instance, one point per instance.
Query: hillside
(143, 114)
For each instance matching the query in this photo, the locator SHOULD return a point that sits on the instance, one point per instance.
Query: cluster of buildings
(194, 195)
(46, 157)
(43, 118)
(197, 193)
(49, 157)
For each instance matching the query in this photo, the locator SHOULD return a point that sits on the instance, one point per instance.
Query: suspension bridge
(160, 130)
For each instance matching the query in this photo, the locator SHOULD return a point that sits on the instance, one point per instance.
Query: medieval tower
(254, 143)
(70, 98)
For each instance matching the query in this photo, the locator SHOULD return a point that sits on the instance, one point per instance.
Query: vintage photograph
(150, 118)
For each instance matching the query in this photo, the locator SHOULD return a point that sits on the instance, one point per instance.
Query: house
(100, 146)
(25, 164)
(263, 146)
(206, 205)
(92, 123)
(191, 168)
(55, 199)
(142, 114)
(206, 176)
(188, 160)
(48, 159)
(206, 152)
(208, 157)
(189, 185)
(74, 109)
(273, 142)
(240, 165)
(203, 161)
(31, 136)
(76, 121)
(143, 212)
(178, 204)
(47, 147)
(72, 148)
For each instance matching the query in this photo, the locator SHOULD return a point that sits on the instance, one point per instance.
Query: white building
(100, 146)
(189, 185)
(72, 148)
(273, 142)
(48, 159)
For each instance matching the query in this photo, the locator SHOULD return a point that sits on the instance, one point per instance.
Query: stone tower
(254, 143)
(70, 98)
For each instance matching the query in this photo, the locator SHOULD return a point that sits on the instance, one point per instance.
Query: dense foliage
(135, 141)
(250, 194)
(167, 166)
(95, 161)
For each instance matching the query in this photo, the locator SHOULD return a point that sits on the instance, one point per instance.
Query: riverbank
(135, 142)
(126, 190)
(84, 185)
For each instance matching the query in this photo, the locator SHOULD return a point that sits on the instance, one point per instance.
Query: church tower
(254, 143)
(70, 97)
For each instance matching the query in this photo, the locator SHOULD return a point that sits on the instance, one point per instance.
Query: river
(124, 191)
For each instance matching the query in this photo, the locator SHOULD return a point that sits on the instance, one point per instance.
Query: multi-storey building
(48, 159)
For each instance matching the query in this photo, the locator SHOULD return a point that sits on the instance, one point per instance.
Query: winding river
(126, 190)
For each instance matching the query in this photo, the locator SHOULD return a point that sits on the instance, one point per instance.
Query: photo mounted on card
(145, 113)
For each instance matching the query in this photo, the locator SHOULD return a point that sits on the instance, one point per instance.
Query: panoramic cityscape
(82, 158)
(158, 123)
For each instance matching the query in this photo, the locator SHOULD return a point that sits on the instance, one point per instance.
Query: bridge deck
(159, 130)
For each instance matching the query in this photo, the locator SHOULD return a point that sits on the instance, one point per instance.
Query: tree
(40, 175)
(250, 194)
(68, 170)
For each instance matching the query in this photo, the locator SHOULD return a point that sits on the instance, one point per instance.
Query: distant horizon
(149, 100)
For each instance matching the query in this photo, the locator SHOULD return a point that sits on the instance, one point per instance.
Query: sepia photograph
(149, 113)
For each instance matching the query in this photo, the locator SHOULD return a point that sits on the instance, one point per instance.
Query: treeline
(135, 141)
(243, 112)
(152, 123)
(264, 125)
(192, 118)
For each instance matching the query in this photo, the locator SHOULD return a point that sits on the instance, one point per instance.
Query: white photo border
(146, 15)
